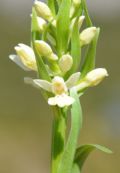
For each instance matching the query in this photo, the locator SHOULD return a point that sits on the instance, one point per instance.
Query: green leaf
(88, 20)
(78, 12)
(35, 34)
(52, 6)
(58, 136)
(75, 168)
(42, 71)
(63, 23)
(83, 152)
(34, 24)
(89, 62)
(75, 47)
(76, 124)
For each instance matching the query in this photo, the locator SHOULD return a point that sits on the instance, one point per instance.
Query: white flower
(41, 23)
(80, 21)
(54, 23)
(16, 59)
(92, 78)
(61, 100)
(65, 63)
(58, 87)
(95, 76)
(45, 50)
(26, 55)
(76, 2)
(87, 35)
(43, 10)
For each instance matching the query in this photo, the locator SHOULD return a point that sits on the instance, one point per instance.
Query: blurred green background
(26, 120)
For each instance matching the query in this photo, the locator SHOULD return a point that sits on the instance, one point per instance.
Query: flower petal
(95, 76)
(43, 84)
(64, 100)
(72, 80)
(30, 81)
(65, 62)
(58, 86)
(87, 35)
(52, 101)
(27, 56)
(18, 61)
(27, 50)
(69, 100)
(61, 100)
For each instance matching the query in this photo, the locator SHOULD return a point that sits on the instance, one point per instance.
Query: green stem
(58, 137)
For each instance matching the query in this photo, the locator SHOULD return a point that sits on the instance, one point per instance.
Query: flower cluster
(55, 52)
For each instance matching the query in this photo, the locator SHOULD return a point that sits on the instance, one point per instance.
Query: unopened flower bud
(74, 7)
(95, 76)
(43, 10)
(87, 35)
(27, 56)
(41, 23)
(53, 57)
(45, 50)
(65, 63)
(80, 21)
(92, 78)
(54, 23)
(76, 2)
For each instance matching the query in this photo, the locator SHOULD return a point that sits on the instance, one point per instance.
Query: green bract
(62, 73)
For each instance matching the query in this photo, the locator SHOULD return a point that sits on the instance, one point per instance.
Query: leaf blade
(76, 124)
(51, 4)
(89, 62)
(42, 71)
(75, 47)
(62, 28)
(83, 152)
(88, 20)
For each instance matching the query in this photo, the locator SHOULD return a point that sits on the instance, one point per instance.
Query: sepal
(17, 60)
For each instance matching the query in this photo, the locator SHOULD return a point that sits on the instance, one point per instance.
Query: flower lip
(59, 88)
(61, 100)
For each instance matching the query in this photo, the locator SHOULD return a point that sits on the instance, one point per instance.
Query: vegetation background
(25, 119)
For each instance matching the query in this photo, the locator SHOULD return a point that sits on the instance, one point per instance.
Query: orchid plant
(58, 37)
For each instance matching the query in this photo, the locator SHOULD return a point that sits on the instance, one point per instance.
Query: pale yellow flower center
(59, 86)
